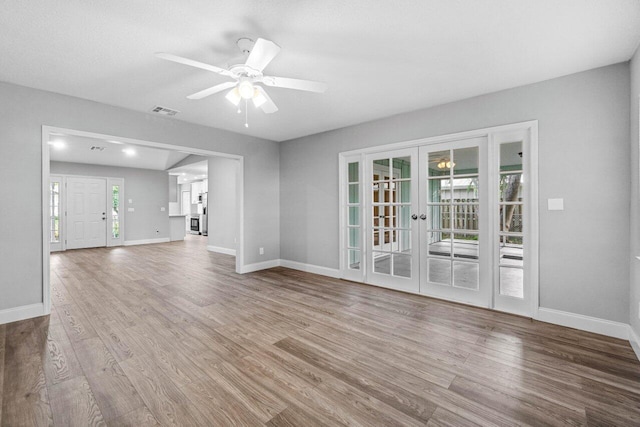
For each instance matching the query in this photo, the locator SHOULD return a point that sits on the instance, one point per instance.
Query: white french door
(451, 220)
(454, 225)
(86, 213)
(392, 234)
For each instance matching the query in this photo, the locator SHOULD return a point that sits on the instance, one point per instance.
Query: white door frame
(530, 128)
(47, 130)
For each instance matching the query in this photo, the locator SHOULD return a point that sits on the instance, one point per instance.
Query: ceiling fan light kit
(247, 76)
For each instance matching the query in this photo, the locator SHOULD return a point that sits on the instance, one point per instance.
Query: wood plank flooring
(169, 335)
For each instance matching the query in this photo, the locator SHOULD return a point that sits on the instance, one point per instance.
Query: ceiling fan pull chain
(246, 114)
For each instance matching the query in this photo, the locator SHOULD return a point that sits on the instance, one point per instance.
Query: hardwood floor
(168, 335)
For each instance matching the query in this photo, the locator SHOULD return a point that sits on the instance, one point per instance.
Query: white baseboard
(310, 268)
(20, 313)
(146, 241)
(584, 323)
(220, 250)
(634, 340)
(250, 268)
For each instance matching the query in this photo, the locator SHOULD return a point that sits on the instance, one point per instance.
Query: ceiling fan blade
(268, 106)
(212, 90)
(285, 82)
(192, 63)
(262, 53)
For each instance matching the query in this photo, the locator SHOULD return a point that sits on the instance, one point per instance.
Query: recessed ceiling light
(58, 144)
(129, 151)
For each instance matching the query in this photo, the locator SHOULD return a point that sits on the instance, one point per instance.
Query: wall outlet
(261, 251)
(162, 209)
(130, 209)
(130, 200)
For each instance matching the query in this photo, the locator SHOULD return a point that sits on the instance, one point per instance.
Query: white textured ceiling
(77, 149)
(379, 57)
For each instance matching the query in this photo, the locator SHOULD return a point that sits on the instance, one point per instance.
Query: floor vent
(164, 111)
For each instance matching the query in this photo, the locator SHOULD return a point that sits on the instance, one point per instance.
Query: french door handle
(423, 217)
(414, 217)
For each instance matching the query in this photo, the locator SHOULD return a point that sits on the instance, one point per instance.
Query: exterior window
(115, 211)
(54, 212)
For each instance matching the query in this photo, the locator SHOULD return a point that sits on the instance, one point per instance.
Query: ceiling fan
(247, 76)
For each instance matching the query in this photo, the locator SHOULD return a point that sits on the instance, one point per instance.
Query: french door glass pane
(353, 172)
(401, 265)
(511, 156)
(381, 169)
(439, 244)
(510, 254)
(354, 259)
(354, 196)
(465, 275)
(381, 263)
(439, 190)
(511, 218)
(465, 216)
(439, 271)
(465, 189)
(354, 237)
(511, 282)
(465, 161)
(511, 187)
(465, 246)
(439, 217)
(439, 163)
(354, 215)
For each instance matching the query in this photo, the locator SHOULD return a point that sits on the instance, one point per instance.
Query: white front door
(86, 213)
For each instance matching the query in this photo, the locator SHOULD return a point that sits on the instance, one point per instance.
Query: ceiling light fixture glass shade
(445, 164)
(246, 89)
(258, 98)
(234, 96)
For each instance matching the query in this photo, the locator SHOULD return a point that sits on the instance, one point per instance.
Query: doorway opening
(103, 190)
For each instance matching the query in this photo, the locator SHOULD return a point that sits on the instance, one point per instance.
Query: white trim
(146, 241)
(443, 138)
(46, 244)
(634, 341)
(250, 268)
(23, 312)
(310, 268)
(584, 323)
(220, 250)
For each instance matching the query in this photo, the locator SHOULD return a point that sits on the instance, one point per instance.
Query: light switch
(130, 200)
(130, 209)
(555, 204)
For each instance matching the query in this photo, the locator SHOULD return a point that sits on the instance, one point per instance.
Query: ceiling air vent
(164, 111)
(96, 148)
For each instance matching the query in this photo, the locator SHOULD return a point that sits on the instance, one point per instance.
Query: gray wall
(634, 294)
(583, 152)
(24, 111)
(221, 202)
(149, 190)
